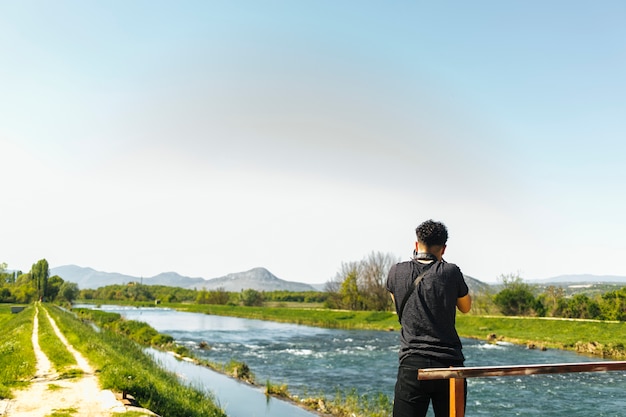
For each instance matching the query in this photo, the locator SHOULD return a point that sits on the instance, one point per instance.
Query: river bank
(310, 360)
(605, 339)
(344, 405)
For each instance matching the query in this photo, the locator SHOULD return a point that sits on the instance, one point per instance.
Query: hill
(582, 279)
(477, 287)
(259, 279)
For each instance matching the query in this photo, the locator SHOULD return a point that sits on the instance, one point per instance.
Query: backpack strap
(414, 285)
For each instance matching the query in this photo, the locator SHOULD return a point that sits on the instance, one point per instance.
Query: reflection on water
(314, 360)
(229, 393)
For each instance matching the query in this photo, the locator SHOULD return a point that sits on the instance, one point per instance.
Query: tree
(251, 297)
(361, 285)
(6, 296)
(580, 306)
(613, 305)
(69, 291)
(24, 293)
(218, 296)
(517, 298)
(349, 292)
(551, 299)
(203, 297)
(373, 280)
(54, 286)
(39, 274)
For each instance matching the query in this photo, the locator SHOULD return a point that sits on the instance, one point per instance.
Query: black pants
(412, 397)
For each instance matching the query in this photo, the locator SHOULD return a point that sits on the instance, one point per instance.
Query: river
(313, 360)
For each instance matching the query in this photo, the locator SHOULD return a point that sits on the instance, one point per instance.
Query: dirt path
(49, 396)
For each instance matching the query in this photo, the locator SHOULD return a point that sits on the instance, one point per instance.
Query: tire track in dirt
(78, 397)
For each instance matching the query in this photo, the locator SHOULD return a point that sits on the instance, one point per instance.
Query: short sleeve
(390, 280)
(463, 289)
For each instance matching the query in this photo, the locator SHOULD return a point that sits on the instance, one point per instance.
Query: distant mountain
(259, 279)
(319, 287)
(582, 279)
(90, 278)
(477, 287)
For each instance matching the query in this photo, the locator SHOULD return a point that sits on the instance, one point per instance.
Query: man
(426, 292)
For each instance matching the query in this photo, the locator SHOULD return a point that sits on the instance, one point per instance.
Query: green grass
(350, 403)
(17, 357)
(5, 313)
(52, 346)
(339, 319)
(561, 334)
(138, 331)
(63, 412)
(123, 366)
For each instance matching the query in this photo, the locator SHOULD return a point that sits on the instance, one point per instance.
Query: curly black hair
(432, 233)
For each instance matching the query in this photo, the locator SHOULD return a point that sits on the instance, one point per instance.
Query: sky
(212, 137)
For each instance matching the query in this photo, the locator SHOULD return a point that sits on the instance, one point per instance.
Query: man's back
(428, 319)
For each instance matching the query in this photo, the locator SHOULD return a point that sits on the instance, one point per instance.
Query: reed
(349, 404)
(17, 357)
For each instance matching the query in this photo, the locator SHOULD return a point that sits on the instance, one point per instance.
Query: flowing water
(314, 360)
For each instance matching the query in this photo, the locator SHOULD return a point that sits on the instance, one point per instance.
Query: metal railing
(457, 375)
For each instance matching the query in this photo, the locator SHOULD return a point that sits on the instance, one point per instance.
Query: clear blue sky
(209, 137)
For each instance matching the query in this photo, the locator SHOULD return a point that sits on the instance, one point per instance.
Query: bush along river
(313, 361)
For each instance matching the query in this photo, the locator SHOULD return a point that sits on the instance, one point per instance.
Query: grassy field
(17, 357)
(338, 319)
(606, 339)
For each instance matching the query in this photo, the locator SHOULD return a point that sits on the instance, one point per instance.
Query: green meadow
(17, 357)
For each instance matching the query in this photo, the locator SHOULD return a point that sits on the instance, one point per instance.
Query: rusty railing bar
(516, 370)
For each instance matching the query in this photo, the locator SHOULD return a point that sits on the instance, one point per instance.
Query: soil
(47, 395)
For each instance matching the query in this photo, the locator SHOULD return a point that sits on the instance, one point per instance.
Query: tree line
(361, 285)
(358, 285)
(518, 298)
(37, 284)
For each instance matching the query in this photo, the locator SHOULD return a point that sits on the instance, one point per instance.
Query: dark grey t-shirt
(428, 320)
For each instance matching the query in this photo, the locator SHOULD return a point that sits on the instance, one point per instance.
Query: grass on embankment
(599, 338)
(123, 366)
(336, 319)
(17, 357)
